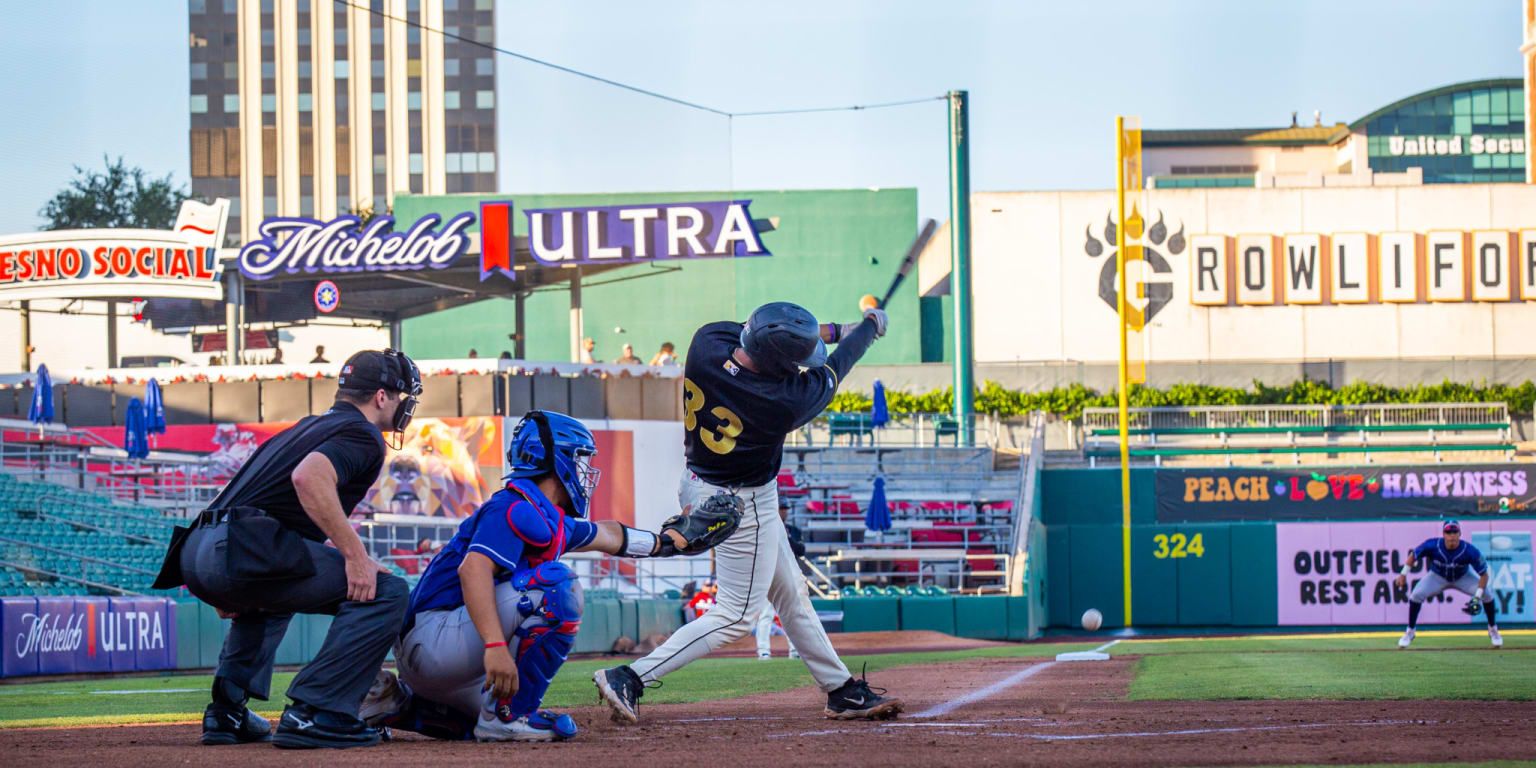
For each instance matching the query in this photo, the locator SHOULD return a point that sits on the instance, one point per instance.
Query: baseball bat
(910, 260)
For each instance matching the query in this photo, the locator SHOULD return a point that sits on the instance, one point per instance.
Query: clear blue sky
(83, 78)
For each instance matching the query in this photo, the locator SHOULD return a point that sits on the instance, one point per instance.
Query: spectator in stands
(319, 354)
(667, 355)
(701, 602)
(473, 354)
(505, 355)
(587, 345)
(628, 358)
(277, 356)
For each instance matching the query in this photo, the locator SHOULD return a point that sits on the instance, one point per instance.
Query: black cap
(372, 369)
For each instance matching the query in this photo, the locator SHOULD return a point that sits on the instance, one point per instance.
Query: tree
(120, 197)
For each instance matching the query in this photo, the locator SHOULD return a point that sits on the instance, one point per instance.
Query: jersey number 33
(721, 439)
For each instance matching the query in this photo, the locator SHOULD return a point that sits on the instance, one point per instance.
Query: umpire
(258, 555)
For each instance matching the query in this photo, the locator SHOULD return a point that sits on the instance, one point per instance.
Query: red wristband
(497, 644)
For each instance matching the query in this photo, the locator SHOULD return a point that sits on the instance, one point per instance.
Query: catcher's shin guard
(546, 637)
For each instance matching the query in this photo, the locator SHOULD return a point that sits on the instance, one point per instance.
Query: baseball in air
(868, 302)
(1092, 619)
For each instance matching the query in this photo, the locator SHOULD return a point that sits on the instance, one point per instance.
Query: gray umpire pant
(338, 677)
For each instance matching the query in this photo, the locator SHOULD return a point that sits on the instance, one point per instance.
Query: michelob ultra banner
(1344, 492)
(72, 635)
(1343, 573)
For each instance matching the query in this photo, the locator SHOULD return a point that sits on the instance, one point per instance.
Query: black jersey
(735, 420)
(354, 446)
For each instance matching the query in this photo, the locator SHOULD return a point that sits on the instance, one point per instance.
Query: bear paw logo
(1150, 296)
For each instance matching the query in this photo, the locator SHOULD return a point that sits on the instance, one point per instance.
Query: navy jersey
(735, 420)
(1451, 564)
(517, 528)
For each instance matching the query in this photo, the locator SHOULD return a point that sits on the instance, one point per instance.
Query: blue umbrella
(135, 436)
(41, 411)
(154, 408)
(881, 415)
(878, 516)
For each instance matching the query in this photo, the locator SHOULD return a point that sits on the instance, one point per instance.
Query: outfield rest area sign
(119, 263)
(556, 237)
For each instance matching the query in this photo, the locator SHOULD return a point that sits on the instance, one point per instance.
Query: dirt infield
(969, 713)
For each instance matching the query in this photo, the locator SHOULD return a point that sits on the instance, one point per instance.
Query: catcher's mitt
(1473, 607)
(704, 526)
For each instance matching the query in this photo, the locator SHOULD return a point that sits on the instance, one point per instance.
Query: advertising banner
(1342, 573)
(1370, 492)
(71, 635)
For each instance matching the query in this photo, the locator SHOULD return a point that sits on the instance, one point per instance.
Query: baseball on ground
(1092, 619)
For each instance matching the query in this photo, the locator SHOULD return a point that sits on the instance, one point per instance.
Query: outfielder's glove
(708, 523)
(1473, 607)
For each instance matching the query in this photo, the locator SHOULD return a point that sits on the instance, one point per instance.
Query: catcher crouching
(496, 613)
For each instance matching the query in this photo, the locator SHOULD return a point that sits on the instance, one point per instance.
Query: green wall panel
(982, 616)
(210, 630)
(599, 626)
(1154, 580)
(629, 620)
(871, 614)
(933, 613)
(1058, 580)
(823, 604)
(1097, 573)
(187, 633)
(1254, 582)
(1019, 626)
(851, 241)
(1092, 496)
(1205, 581)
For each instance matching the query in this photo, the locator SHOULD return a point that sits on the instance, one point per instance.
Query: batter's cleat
(385, 697)
(855, 700)
(500, 725)
(304, 727)
(1407, 638)
(764, 656)
(224, 725)
(1493, 637)
(794, 654)
(620, 688)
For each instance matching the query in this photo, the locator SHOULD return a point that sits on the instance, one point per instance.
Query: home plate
(1083, 656)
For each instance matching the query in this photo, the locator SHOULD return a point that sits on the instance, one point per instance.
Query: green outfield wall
(829, 247)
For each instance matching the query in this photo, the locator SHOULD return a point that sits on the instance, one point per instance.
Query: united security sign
(71, 635)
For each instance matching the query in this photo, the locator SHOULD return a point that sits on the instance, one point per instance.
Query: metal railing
(82, 559)
(1360, 416)
(1029, 498)
(915, 430)
(79, 459)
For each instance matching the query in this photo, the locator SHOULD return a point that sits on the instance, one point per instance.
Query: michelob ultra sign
(1363, 267)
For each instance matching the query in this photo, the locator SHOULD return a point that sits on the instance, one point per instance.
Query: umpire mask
(393, 372)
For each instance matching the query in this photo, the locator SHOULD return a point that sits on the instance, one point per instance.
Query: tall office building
(353, 101)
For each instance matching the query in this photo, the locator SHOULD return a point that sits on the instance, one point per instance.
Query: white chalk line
(718, 719)
(939, 710)
(886, 729)
(1107, 645)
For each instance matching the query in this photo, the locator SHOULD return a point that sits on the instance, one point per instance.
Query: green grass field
(1343, 666)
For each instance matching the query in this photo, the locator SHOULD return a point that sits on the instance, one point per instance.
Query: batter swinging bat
(907, 262)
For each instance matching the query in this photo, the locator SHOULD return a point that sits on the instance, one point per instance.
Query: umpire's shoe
(304, 727)
(855, 700)
(233, 725)
(620, 688)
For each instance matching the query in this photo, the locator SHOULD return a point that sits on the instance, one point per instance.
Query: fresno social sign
(66, 635)
(119, 263)
(346, 244)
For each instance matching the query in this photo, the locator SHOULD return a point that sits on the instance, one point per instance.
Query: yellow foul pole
(1125, 445)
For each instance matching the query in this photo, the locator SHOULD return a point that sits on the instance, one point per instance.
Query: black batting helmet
(782, 337)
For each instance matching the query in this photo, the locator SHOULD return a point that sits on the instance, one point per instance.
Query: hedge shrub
(1069, 402)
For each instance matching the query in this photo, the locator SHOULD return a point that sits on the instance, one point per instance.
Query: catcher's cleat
(385, 697)
(1493, 637)
(500, 725)
(1407, 638)
(855, 700)
(620, 688)
(226, 725)
(764, 656)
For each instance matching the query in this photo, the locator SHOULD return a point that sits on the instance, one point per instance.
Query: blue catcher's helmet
(546, 441)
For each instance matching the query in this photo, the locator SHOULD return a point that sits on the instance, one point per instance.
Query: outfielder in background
(1451, 563)
(744, 390)
(496, 613)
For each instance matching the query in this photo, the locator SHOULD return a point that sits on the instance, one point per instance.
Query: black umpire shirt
(735, 421)
(353, 444)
